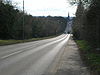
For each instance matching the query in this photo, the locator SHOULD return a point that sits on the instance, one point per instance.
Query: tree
(7, 19)
(87, 22)
(11, 24)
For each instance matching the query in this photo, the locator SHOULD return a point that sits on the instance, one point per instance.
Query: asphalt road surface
(32, 58)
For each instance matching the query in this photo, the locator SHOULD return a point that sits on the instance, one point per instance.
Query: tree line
(11, 24)
(87, 22)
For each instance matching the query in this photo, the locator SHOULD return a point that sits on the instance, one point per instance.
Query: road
(32, 58)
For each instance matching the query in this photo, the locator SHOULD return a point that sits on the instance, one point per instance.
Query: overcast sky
(46, 7)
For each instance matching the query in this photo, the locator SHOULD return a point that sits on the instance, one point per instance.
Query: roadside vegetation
(86, 31)
(90, 57)
(12, 26)
(9, 42)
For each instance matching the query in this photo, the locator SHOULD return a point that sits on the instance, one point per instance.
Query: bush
(91, 58)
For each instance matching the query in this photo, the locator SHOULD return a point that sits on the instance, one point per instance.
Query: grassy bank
(90, 56)
(8, 42)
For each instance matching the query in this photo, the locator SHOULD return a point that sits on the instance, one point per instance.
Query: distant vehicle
(68, 32)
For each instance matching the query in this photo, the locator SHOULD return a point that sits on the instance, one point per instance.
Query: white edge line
(11, 54)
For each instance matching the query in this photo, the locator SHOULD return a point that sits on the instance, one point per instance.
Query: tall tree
(87, 23)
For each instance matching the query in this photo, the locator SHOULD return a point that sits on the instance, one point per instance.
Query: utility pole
(23, 21)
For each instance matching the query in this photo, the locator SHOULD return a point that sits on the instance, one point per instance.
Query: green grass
(8, 42)
(94, 61)
(83, 45)
(89, 56)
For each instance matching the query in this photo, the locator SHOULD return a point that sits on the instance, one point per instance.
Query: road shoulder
(70, 62)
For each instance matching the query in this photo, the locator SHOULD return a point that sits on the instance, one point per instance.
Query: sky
(46, 7)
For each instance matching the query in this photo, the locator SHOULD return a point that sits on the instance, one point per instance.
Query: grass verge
(8, 42)
(90, 56)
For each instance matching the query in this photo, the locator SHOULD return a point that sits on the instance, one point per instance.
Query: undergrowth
(90, 56)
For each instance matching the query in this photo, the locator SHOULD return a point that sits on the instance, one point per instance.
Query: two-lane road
(32, 58)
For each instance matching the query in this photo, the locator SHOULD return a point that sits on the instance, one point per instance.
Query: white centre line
(43, 46)
(11, 54)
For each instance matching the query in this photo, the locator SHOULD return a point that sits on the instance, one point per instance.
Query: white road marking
(40, 47)
(11, 54)
(45, 60)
